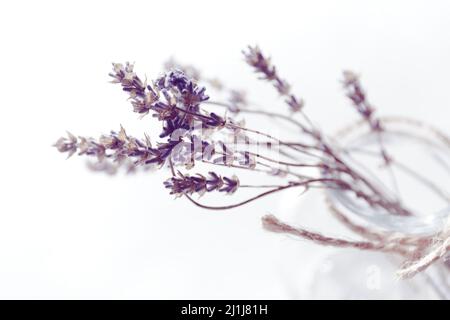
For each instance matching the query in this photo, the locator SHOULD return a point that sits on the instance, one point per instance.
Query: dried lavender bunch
(195, 132)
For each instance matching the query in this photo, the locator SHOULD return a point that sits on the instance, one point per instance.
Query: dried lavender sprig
(183, 184)
(179, 110)
(142, 95)
(117, 146)
(186, 150)
(357, 95)
(120, 146)
(236, 98)
(262, 65)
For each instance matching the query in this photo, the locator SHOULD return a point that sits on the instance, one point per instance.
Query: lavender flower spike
(185, 184)
(142, 96)
(358, 97)
(115, 146)
(263, 66)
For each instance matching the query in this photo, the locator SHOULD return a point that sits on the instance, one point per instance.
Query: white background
(66, 232)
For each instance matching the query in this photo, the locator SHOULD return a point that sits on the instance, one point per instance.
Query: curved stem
(269, 192)
(243, 202)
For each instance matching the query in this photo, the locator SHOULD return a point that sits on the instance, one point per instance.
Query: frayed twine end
(272, 224)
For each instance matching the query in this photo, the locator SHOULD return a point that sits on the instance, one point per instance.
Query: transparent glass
(419, 177)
